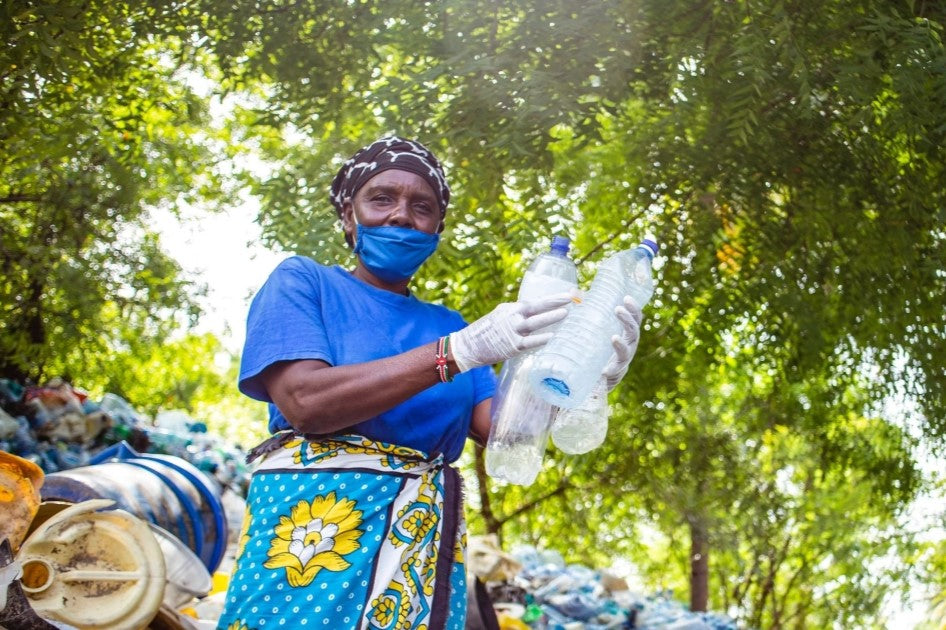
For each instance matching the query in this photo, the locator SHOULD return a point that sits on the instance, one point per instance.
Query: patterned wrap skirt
(348, 532)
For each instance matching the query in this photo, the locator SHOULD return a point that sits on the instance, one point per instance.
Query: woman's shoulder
(298, 272)
(302, 267)
(298, 262)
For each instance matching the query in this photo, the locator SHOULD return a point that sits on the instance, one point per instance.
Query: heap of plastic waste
(538, 590)
(152, 510)
(59, 427)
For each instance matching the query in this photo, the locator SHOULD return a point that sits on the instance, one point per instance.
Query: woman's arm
(479, 426)
(318, 398)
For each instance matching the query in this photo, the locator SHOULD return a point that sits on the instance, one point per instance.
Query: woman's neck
(399, 287)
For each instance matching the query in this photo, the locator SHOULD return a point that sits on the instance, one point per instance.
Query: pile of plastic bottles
(547, 594)
(59, 427)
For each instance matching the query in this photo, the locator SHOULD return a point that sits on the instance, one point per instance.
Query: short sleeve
(484, 383)
(284, 323)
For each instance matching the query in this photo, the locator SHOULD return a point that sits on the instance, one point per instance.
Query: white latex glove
(506, 331)
(625, 344)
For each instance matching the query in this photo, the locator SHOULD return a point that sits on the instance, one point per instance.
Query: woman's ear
(441, 227)
(348, 221)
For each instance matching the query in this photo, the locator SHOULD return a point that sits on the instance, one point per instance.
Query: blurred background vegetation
(774, 450)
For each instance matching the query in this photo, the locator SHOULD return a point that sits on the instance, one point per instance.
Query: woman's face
(396, 198)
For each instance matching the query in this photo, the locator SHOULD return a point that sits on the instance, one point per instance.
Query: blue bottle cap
(650, 244)
(560, 244)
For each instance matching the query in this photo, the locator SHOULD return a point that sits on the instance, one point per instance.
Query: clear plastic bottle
(520, 419)
(567, 368)
(583, 428)
(520, 429)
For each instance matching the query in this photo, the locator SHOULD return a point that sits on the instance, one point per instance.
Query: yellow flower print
(412, 561)
(314, 537)
(308, 452)
(399, 457)
(238, 625)
(293, 443)
(418, 523)
(384, 609)
(390, 609)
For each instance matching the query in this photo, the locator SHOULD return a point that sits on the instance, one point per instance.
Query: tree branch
(493, 525)
(780, 604)
(616, 234)
(739, 594)
(21, 198)
(562, 487)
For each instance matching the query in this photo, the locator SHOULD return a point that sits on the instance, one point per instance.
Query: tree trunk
(699, 566)
(493, 526)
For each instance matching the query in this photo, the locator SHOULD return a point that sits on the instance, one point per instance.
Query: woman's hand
(507, 331)
(625, 344)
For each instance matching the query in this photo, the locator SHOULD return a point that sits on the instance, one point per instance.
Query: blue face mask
(394, 253)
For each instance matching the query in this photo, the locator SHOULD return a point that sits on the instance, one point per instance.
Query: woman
(354, 515)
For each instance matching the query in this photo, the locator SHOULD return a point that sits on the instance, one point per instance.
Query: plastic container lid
(187, 577)
(94, 569)
(560, 245)
(650, 244)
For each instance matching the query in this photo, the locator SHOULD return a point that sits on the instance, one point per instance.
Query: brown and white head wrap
(391, 152)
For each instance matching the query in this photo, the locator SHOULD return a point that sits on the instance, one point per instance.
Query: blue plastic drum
(161, 489)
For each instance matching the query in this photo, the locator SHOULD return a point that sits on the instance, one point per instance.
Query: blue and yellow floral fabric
(348, 533)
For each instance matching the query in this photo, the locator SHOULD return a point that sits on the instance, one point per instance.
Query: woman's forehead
(396, 179)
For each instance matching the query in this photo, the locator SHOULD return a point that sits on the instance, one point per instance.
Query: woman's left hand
(625, 344)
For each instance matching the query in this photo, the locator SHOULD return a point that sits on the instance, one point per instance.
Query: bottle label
(557, 385)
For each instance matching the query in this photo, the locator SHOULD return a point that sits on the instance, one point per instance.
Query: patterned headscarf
(384, 154)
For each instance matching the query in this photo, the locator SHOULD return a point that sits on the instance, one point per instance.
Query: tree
(97, 124)
(789, 156)
(765, 135)
(776, 148)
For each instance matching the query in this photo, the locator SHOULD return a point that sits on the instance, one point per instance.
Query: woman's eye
(422, 208)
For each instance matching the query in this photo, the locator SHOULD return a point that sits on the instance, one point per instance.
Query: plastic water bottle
(583, 428)
(520, 429)
(567, 368)
(520, 419)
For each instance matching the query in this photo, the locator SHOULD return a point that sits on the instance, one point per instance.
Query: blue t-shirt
(308, 311)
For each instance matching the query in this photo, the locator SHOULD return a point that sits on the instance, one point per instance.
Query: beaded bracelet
(441, 359)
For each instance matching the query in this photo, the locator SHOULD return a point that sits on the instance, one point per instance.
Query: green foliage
(180, 373)
(785, 140)
(97, 124)
(230, 414)
(788, 155)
